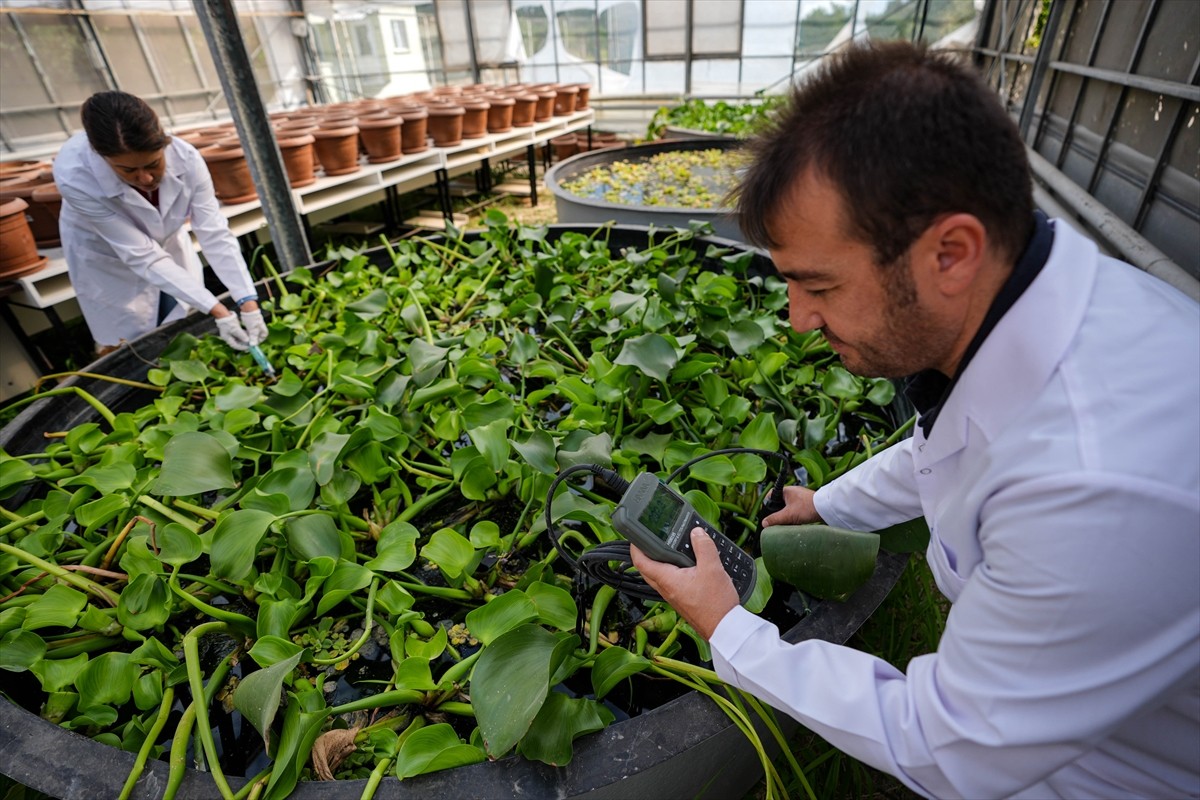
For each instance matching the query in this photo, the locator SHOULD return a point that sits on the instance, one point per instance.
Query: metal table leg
(531, 159)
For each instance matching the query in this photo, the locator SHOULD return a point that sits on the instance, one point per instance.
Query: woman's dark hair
(905, 134)
(118, 123)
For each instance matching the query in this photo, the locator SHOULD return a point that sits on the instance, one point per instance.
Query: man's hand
(798, 508)
(256, 327)
(703, 594)
(230, 330)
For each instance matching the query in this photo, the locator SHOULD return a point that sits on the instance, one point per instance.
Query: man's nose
(801, 313)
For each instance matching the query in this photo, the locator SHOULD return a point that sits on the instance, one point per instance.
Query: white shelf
(48, 286)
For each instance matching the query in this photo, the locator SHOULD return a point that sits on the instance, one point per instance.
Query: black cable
(594, 564)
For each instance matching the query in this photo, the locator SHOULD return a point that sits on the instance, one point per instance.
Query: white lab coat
(121, 251)
(1062, 488)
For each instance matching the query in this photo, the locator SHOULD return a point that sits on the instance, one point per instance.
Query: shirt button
(926, 471)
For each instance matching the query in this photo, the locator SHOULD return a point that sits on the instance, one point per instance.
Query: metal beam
(1183, 91)
(1049, 33)
(219, 24)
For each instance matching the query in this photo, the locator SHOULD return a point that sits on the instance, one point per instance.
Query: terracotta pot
(48, 198)
(412, 132)
(545, 105)
(230, 174)
(524, 109)
(446, 124)
(337, 149)
(381, 138)
(294, 126)
(200, 139)
(336, 121)
(42, 220)
(21, 169)
(581, 100)
(564, 146)
(475, 118)
(298, 158)
(18, 250)
(564, 99)
(500, 115)
(447, 90)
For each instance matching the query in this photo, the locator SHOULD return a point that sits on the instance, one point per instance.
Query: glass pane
(125, 54)
(821, 23)
(64, 55)
(716, 27)
(491, 21)
(769, 27)
(949, 22)
(665, 77)
(764, 73)
(618, 36)
(456, 47)
(577, 26)
(898, 20)
(715, 76)
(20, 87)
(666, 28)
(170, 52)
(535, 29)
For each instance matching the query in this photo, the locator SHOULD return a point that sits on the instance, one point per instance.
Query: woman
(127, 190)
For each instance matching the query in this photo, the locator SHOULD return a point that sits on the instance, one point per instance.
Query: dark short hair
(905, 134)
(118, 123)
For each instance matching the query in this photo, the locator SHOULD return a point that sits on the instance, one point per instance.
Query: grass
(908, 623)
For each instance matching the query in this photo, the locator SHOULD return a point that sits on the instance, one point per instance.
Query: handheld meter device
(659, 521)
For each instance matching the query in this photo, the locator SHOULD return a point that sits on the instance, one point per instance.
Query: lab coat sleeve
(877, 493)
(1084, 612)
(145, 257)
(220, 248)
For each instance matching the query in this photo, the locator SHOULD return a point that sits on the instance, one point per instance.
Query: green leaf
(322, 456)
(396, 548)
(510, 684)
(189, 370)
(744, 336)
(20, 650)
(57, 674)
(178, 545)
(451, 551)
(271, 650)
(840, 384)
(99, 512)
(905, 537)
(555, 606)
(824, 561)
(760, 433)
(14, 472)
(492, 442)
(106, 478)
(236, 395)
(429, 649)
(347, 579)
(107, 679)
(413, 673)
(559, 722)
(651, 353)
(612, 666)
(143, 605)
(370, 306)
(258, 694)
(507, 612)
(537, 448)
(58, 607)
(193, 463)
(718, 470)
(312, 536)
(433, 748)
(235, 542)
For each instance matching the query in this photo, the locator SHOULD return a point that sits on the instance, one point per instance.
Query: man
(1055, 459)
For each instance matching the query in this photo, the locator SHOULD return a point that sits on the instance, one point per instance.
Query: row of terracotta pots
(29, 205)
(335, 136)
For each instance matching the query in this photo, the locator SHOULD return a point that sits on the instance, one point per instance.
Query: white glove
(256, 327)
(230, 330)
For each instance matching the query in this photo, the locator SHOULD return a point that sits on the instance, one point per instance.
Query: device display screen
(660, 513)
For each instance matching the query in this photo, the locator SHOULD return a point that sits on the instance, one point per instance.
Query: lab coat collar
(1016, 360)
(174, 178)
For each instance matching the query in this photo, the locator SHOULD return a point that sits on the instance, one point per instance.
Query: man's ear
(953, 251)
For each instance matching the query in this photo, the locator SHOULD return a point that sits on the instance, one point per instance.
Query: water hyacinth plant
(698, 179)
(732, 119)
(352, 556)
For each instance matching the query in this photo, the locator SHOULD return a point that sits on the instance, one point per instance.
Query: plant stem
(368, 623)
(600, 603)
(478, 291)
(64, 575)
(101, 409)
(97, 376)
(424, 502)
(164, 711)
(377, 775)
(191, 654)
(199, 511)
(396, 697)
(21, 522)
(169, 513)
